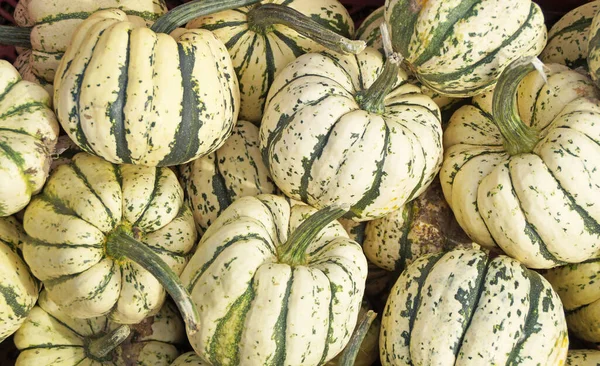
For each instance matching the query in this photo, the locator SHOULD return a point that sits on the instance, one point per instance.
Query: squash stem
(518, 137)
(15, 36)
(121, 245)
(294, 250)
(262, 18)
(373, 99)
(182, 14)
(100, 347)
(351, 351)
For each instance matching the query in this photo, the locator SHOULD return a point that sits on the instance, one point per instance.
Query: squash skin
(173, 98)
(50, 335)
(460, 47)
(583, 357)
(593, 60)
(18, 288)
(259, 56)
(235, 170)
(81, 205)
(250, 309)
(28, 134)
(346, 154)
(189, 359)
(465, 308)
(486, 188)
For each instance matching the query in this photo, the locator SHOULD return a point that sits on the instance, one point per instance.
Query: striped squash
(51, 337)
(524, 180)
(190, 359)
(583, 357)
(54, 23)
(28, 133)
(275, 282)
(130, 95)
(23, 65)
(577, 286)
(344, 129)
(260, 51)
(459, 47)
(84, 224)
(568, 38)
(235, 170)
(465, 308)
(593, 60)
(18, 288)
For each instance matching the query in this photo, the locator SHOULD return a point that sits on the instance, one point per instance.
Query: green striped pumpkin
(130, 95)
(465, 308)
(18, 288)
(260, 53)
(583, 357)
(51, 337)
(275, 282)
(568, 38)
(54, 22)
(28, 134)
(593, 59)
(459, 47)
(329, 136)
(577, 286)
(75, 225)
(235, 170)
(524, 180)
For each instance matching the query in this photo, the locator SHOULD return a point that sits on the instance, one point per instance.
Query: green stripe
(100, 286)
(580, 26)
(375, 16)
(147, 15)
(290, 43)
(594, 49)
(18, 160)
(280, 329)
(404, 15)
(11, 297)
(9, 87)
(155, 191)
(405, 253)
(79, 174)
(270, 69)
(23, 109)
(221, 24)
(219, 188)
(116, 110)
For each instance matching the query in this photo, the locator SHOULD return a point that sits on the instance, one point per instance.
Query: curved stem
(351, 351)
(120, 245)
(518, 137)
(263, 17)
(15, 36)
(182, 14)
(294, 250)
(99, 348)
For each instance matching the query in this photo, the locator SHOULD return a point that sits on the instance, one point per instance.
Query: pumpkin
(583, 357)
(235, 170)
(28, 133)
(459, 47)
(51, 337)
(18, 288)
(189, 359)
(524, 180)
(132, 95)
(263, 38)
(108, 239)
(345, 129)
(47, 28)
(275, 281)
(463, 307)
(576, 284)
(593, 60)
(568, 38)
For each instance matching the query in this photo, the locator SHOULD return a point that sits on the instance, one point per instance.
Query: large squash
(263, 38)
(593, 60)
(235, 170)
(465, 308)
(87, 225)
(275, 281)
(28, 134)
(345, 129)
(460, 47)
(521, 166)
(18, 288)
(51, 337)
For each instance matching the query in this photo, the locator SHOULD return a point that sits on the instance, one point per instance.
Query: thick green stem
(99, 348)
(351, 351)
(293, 252)
(15, 36)
(182, 14)
(373, 99)
(518, 137)
(120, 245)
(264, 16)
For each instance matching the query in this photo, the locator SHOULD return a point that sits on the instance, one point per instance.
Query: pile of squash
(248, 182)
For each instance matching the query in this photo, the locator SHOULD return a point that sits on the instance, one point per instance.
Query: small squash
(521, 166)
(28, 134)
(275, 281)
(51, 337)
(465, 308)
(109, 239)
